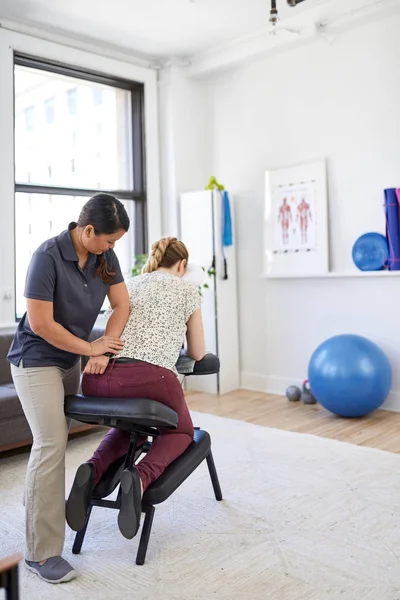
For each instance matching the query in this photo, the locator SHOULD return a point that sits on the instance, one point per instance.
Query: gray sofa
(14, 429)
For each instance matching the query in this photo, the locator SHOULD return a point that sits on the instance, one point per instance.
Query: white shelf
(334, 274)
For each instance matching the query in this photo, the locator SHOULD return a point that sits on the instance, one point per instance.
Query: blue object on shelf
(371, 252)
(393, 228)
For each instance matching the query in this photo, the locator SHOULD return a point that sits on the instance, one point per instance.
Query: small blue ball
(370, 252)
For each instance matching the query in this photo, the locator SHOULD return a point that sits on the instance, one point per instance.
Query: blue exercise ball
(350, 375)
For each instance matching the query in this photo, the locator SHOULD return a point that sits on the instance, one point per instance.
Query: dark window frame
(138, 193)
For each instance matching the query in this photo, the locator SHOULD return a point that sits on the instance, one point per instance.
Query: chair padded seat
(179, 470)
(119, 411)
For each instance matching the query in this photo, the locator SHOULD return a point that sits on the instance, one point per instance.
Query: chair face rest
(128, 411)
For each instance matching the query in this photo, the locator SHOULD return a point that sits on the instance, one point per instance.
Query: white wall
(185, 141)
(10, 42)
(342, 102)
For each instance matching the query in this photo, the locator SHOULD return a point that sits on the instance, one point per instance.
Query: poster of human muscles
(295, 220)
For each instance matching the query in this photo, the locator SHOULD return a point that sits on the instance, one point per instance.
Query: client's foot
(131, 503)
(78, 502)
(53, 570)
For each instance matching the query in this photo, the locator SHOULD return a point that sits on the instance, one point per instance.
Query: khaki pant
(41, 391)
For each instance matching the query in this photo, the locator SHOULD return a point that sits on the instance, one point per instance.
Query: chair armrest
(208, 365)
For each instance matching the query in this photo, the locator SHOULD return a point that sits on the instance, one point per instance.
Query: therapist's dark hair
(107, 215)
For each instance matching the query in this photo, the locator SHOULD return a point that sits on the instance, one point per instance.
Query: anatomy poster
(294, 214)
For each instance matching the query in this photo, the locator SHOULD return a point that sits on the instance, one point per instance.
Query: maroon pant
(141, 380)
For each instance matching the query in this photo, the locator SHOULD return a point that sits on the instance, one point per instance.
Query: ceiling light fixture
(273, 14)
(294, 2)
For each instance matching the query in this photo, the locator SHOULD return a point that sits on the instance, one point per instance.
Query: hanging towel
(392, 202)
(226, 220)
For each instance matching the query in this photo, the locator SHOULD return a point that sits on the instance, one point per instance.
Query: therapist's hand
(105, 344)
(96, 365)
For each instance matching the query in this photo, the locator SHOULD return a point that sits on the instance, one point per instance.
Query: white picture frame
(296, 221)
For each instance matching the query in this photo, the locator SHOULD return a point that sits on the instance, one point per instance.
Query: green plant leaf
(140, 261)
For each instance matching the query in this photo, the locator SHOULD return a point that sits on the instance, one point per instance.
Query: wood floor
(381, 429)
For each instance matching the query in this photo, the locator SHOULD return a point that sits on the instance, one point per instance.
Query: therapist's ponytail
(103, 270)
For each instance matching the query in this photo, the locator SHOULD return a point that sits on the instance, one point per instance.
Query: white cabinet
(201, 231)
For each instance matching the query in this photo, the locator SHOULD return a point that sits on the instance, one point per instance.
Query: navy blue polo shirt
(54, 275)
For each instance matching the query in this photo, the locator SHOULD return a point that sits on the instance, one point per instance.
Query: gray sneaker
(54, 570)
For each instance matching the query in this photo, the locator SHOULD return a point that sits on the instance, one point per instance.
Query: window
(72, 100)
(49, 110)
(97, 96)
(63, 170)
(29, 118)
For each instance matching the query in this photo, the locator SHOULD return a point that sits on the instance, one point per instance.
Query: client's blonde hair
(166, 252)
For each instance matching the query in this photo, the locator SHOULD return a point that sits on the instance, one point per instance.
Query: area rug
(303, 518)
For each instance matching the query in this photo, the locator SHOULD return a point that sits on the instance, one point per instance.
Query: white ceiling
(159, 28)
(194, 30)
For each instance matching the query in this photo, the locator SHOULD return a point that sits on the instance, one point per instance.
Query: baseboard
(207, 384)
(253, 381)
(267, 383)
(393, 402)
(277, 386)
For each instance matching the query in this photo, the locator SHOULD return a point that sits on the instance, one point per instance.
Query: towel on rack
(227, 239)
